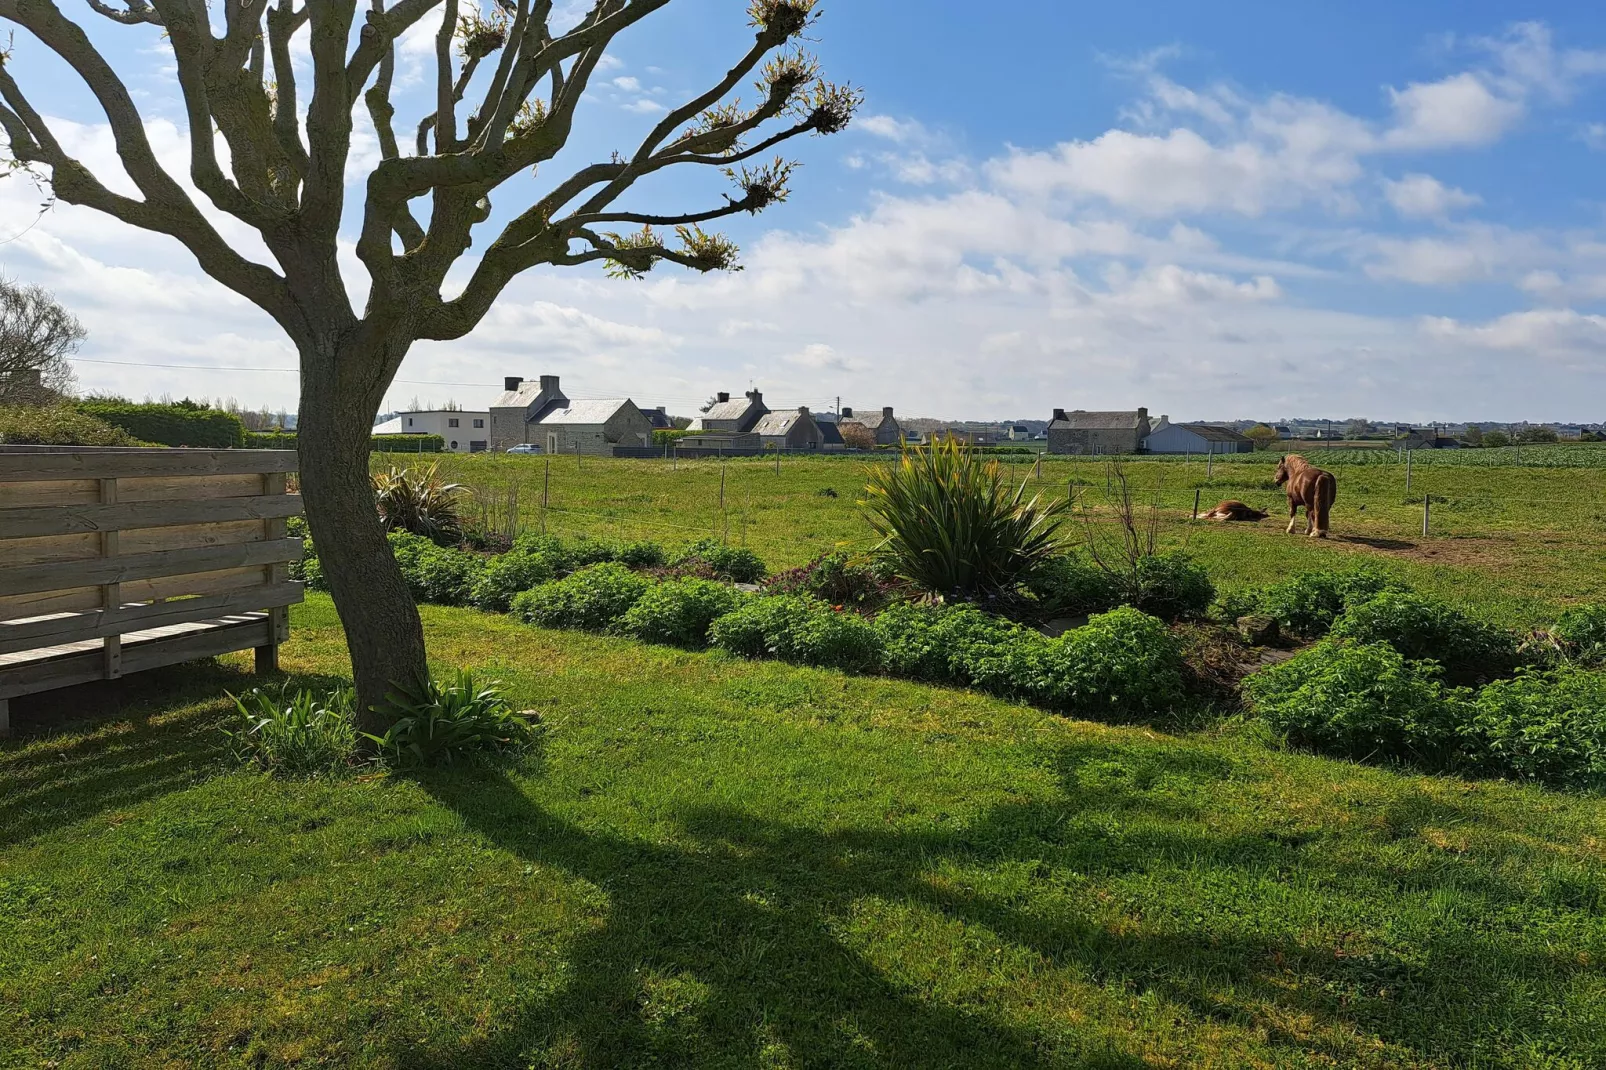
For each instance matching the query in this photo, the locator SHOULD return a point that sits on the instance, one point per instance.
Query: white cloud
(1418, 196)
(1594, 135)
(645, 106)
(627, 83)
(1537, 332)
(1459, 111)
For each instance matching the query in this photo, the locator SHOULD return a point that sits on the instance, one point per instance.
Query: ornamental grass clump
(419, 501)
(437, 723)
(950, 524)
(300, 733)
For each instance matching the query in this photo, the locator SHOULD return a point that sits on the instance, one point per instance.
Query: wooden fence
(117, 560)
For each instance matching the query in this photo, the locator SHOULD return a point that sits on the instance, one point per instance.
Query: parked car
(524, 447)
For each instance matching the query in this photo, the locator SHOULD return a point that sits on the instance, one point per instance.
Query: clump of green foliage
(58, 425)
(1549, 727)
(948, 644)
(836, 577)
(1069, 585)
(800, 630)
(436, 723)
(301, 733)
(440, 574)
(1172, 587)
(592, 599)
(1581, 634)
(184, 423)
(1120, 665)
(1424, 628)
(419, 501)
(950, 524)
(1308, 604)
(679, 612)
(715, 560)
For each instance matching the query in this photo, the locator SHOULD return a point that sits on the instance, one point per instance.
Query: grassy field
(724, 864)
(1513, 543)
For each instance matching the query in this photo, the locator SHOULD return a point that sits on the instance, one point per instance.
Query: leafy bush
(1543, 726)
(1121, 664)
(834, 577)
(800, 630)
(1172, 586)
(438, 574)
(641, 555)
(592, 599)
(1236, 602)
(1418, 627)
(951, 525)
(583, 551)
(505, 575)
(183, 424)
(400, 443)
(734, 563)
(1069, 585)
(270, 440)
(58, 425)
(419, 501)
(433, 723)
(309, 570)
(956, 644)
(679, 612)
(1307, 604)
(1581, 634)
(1360, 701)
(298, 734)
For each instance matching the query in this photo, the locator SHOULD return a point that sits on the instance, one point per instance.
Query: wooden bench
(116, 560)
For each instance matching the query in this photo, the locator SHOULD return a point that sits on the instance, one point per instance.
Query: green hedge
(286, 440)
(59, 425)
(170, 425)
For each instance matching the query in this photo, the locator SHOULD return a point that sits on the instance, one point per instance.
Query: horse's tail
(1326, 495)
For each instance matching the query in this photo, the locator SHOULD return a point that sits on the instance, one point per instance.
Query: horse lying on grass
(1232, 509)
(1307, 485)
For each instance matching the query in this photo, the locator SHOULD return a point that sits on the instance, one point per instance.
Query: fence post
(1038, 474)
(1196, 503)
(777, 462)
(1427, 508)
(722, 495)
(1407, 471)
(1210, 462)
(546, 489)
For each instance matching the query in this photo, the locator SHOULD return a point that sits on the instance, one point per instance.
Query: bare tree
(36, 336)
(506, 90)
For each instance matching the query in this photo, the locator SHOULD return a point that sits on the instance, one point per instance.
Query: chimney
(755, 397)
(549, 384)
(803, 410)
(512, 383)
(723, 395)
(847, 414)
(663, 410)
(887, 411)
(1059, 414)
(1143, 414)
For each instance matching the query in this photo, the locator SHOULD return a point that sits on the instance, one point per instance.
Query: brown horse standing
(1307, 485)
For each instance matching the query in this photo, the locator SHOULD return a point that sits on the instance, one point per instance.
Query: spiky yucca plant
(951, 525)
(420, 502)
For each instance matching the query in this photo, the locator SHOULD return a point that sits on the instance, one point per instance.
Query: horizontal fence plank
(53, 492)
(74, 599)
(99, 623)
(25, 463)
(29, 579)
(81, 667)
(41, 520)
(81, 663)
(235, 633)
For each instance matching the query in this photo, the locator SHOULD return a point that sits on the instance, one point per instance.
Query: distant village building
(727, 415)
(789, 431)
(883, 426)
(659, 418)
(1080, 431)
(1428, 439)
(1167, 437)
(540, 413)
(463, 432)
(830, 434)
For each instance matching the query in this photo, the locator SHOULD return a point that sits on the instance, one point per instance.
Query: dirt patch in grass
(1218, 659)
(1481, 552)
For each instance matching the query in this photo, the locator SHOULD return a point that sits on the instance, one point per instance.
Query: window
(454, 444)
(409, 421)
(452, 422)
(479, 423)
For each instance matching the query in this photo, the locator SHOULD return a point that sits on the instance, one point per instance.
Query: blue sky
(1250, 209)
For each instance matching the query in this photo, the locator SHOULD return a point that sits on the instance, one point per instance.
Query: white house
(464, 432)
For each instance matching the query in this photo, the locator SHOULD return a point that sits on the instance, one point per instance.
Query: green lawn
(1513, 543)
(714, 863)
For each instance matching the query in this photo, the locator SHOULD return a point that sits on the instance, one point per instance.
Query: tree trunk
(383, 631)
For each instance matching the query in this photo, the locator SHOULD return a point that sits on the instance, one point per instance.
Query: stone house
(882, 425)
(542, 414)
(1080, 431)
(728, 415)
(789, 431)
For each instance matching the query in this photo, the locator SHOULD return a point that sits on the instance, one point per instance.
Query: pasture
(1512, 542)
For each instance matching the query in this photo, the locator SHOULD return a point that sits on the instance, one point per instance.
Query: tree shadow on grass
(758, 916)
(122, 756)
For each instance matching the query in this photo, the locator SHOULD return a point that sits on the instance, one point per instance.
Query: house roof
(872, 420)
(658, 418)
(728, 410)
(580, 412)
(1214, 432)
(392, 426)
(1081, 420)
(830, 434)
(777, 423)
(521, 398)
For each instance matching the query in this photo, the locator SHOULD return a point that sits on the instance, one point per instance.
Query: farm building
(882, 425)
(1080, 431)
(542, 414)
(463, 432)
(1167, 437)
(789, 430)
(830, 435)
(1429, 439)
(727, 415)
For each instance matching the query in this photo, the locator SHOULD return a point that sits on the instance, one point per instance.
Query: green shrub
(310, 570)
(1425, 628)
(641, 554)
(419, 501)
(1581, 634)
(1237, 602)
(592, 599)
(406, 444)
(1172, 587)
(950, 523)
(432, 723)
(800, 630)
(1549, 727)
(298, 734)
(1360, 701)
(58, 425)
(438, 574)
(1307, 604)
(183, 424)
(679, 612)
(505, 575)
(736, 564)
(1069, 585)
(954, 644)
(270, 440)
(1121, 664)
(834, 577)
(583, 551)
